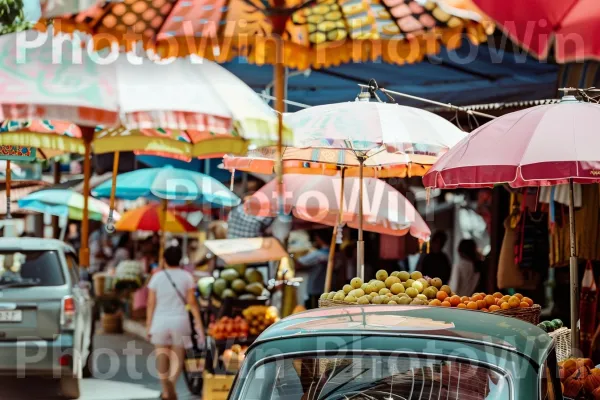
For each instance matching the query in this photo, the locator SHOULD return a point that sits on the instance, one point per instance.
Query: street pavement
(124, 370)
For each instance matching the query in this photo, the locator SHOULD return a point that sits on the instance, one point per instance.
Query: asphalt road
(124, 370)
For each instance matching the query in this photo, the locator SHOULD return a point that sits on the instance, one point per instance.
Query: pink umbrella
(318, 198)
(540, 146)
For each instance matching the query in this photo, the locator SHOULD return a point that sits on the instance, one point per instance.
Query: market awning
(247, 250)
(469, 75)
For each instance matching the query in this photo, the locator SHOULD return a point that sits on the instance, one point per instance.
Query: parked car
(46, 318)
(399, 353)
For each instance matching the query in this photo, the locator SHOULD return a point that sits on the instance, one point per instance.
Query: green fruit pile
(241, 283)
(399, 287)
(550, 326)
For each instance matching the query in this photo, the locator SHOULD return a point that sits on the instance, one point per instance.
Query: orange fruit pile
(482, 301)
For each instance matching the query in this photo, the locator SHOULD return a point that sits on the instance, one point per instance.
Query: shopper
(436, 263)
(466, 273)
(316, 263)
(171, 294)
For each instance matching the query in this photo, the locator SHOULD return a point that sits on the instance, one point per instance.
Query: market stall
(240, 300)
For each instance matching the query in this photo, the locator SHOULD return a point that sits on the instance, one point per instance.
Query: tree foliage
(12, 16)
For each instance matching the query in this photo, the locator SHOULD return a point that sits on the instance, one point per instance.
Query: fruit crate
(530, 314)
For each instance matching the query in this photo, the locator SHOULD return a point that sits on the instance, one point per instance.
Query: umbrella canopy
(171, 184)
(65, 203)
(316, 33)
(51, 138)
(362, 126)
(539, 146)
(379, 163)
(572, 26)
(195, 107)
(317, 199)
(152, 218)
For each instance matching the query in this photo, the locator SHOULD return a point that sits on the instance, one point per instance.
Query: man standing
(242, 225)
(316, 263)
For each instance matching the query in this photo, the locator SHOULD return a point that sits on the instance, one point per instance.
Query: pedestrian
(171, 294)
(466, 273)
(316, 263)
(436, 264)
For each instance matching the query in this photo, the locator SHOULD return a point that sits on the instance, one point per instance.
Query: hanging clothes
(561, 194)
(587, 229)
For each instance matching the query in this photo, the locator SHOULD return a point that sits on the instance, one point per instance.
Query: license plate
(11, 316)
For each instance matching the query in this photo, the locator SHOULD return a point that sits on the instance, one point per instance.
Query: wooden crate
(216, 387)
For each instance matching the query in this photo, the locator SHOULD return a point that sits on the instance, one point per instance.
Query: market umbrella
(317, 199)
(539, 146)
(88, 91)
(285, 33)
(572, 26)
(362, 130)
(153, 219)
(65, 203)
(169, 183)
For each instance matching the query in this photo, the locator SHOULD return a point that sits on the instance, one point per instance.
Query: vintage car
(398, 353)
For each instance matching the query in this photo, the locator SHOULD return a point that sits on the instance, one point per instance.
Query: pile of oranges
(482, 301)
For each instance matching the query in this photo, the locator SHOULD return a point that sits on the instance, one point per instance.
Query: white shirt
(168, 302)
(463, 278)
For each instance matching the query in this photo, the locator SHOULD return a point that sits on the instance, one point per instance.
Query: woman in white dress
(171, 294)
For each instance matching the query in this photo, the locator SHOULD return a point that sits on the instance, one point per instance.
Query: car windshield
(367, 377)
(30, 268)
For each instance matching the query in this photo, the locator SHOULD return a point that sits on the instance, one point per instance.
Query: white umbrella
(366, 128)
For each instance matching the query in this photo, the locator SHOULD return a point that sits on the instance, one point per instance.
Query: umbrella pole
(331, 259)
(279, 88)
(163, 234)
(110, 227)
(574, 269)
(84, 251)
(8, 184)
(360, 247)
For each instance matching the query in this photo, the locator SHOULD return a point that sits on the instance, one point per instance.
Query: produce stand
(225, 313)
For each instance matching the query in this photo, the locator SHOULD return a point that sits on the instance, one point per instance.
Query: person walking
(466, 273)
(171, 294)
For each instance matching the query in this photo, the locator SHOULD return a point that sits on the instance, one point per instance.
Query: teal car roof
(440, 323)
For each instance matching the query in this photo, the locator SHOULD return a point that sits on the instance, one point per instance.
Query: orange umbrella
(311, 33)
(150, 218)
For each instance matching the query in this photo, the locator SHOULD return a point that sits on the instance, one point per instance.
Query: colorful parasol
(169, 183)
(88, 91)
(540, 146)
(378, 163)
(196, 108)
(65, 203)
(150, 218)
(315, 34)
(317, 199)
(571, 26)
(363, 130)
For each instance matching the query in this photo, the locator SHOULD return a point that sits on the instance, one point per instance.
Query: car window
(394, 377)
(73, 268)
(37, 268)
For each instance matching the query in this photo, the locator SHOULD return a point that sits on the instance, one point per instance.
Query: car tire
(69, 387)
